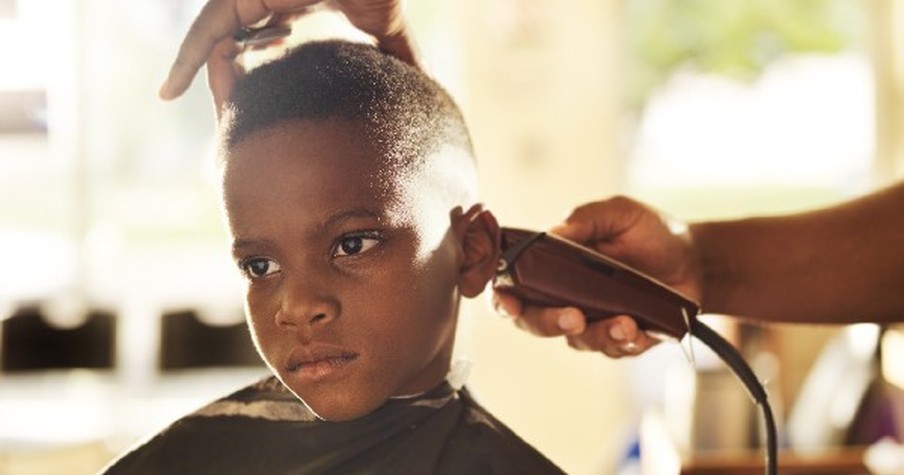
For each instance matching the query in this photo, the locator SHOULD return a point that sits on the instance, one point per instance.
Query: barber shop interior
(123, 310)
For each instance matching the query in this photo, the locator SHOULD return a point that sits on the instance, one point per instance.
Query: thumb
(578, 231)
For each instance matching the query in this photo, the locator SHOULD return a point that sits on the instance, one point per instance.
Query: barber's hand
(210, 37)
(630, 232)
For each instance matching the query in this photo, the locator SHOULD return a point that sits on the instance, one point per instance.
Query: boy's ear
(478, 233)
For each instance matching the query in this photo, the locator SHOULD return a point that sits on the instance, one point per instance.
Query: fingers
(385, 21)
(217, 21)
(222, 72)
(540, 321)
(600, 220)
(546, 321)
(401, 46)
(505, 304)
(616, 337)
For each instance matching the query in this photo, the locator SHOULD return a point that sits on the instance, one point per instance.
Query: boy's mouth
(314, 364)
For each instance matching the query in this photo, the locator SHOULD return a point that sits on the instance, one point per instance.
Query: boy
(349, 190)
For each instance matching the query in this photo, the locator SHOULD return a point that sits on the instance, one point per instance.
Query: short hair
(404, 112)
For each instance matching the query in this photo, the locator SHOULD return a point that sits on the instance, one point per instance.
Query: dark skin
(742, 267)
(352, 285)
(845, 263)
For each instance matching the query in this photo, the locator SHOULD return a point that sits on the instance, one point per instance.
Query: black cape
(265, 429)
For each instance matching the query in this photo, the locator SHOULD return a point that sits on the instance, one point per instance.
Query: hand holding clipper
(545, 270)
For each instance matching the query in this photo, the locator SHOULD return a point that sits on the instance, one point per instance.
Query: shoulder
(266, 399)
(225, 432)
(497, 448)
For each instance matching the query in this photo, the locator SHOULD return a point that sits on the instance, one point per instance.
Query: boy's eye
(258, 267)
(355, 244)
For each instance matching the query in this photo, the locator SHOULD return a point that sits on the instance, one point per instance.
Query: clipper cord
(733, 359)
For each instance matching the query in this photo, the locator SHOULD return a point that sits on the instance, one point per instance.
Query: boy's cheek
(260, 315)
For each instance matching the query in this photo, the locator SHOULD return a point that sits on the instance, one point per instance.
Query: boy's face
(351, 299)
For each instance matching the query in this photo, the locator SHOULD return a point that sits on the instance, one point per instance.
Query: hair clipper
(546, 270)
(549, 271)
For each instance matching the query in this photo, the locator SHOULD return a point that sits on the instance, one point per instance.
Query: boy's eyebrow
(352, 213)
(333, 221)
(240, 243)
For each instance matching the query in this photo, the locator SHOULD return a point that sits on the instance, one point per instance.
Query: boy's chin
(340, 411)
(342, 414)
(352, 399)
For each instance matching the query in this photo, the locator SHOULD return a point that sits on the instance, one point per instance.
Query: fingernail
(617, 333)
(164, 89)
(629, 347)
(561, 229)
(569, 321)
(558, 228)
(497, 307)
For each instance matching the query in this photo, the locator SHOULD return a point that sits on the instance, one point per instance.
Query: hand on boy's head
(209, 40)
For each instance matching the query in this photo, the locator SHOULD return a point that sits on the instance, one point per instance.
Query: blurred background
(120, 309)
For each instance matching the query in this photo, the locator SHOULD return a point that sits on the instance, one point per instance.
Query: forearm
(841, 264)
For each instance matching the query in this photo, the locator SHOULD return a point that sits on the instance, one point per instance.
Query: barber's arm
(210, 38)
(841, 264)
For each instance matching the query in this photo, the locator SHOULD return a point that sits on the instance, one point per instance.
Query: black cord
(733, 359)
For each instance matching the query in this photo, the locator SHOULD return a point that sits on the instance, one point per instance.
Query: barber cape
(265, 429)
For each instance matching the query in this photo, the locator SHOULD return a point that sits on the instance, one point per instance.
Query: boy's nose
(303, 303)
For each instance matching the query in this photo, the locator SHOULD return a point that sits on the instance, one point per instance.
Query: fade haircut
(404, 113)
